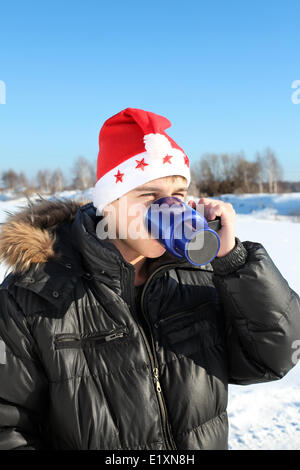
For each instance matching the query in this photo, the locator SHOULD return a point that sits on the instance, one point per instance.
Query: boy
(113, 343)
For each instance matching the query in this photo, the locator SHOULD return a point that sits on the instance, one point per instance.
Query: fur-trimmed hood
(27, 236)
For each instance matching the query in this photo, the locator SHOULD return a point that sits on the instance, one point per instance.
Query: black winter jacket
(84, 369)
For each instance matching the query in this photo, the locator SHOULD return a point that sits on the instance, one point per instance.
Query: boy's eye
(153, 194)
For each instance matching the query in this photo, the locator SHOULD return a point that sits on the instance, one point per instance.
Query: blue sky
(220, 71)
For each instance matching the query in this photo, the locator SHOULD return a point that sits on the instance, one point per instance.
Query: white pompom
(157, 145)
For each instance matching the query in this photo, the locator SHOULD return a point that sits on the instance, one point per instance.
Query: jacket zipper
(170, 439)
(154, 364)
(186, 312)
(70, 340)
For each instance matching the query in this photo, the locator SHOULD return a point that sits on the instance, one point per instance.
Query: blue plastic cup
(182, 230)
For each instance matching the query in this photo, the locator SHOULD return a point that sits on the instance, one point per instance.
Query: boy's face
(126, 214)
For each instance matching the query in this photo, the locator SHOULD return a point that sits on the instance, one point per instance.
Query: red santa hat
(135, 149)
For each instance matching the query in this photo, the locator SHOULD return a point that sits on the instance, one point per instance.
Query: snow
(281, 204)
(261, 416)
(267, 416)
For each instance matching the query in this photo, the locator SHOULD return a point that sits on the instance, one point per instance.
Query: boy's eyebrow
(153, 188)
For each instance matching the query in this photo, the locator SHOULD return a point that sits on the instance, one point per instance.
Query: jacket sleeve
(261, 313)
(23, 384)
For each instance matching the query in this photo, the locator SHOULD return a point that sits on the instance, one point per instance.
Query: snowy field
(261, 416)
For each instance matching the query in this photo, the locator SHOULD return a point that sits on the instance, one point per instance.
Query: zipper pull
(114, 336)
(156, 380)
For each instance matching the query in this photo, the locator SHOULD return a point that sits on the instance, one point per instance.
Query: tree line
(213, 174)
(224, 173)
(81, 176)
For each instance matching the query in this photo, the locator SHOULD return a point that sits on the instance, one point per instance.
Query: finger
(203, 206)
(214, 211)
(205, 200)
(192, 204)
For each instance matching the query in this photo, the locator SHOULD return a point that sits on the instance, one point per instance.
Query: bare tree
(225, 173)
(215, 166)
(278, 171)
(57, 181)
(43, 180)
(213, 174)
(22, 180)
(84, 173)
(245, 174)
(194, 187)
(261, 167)
(10, 179)
(274, 170)
(227, 166)
(205, 176)
(241, 183)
